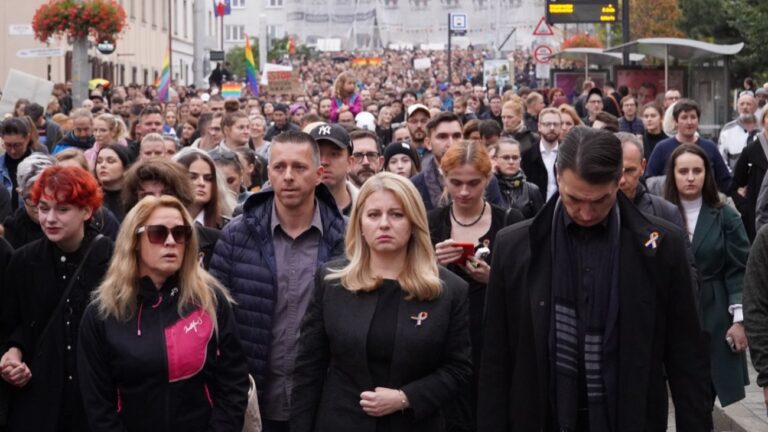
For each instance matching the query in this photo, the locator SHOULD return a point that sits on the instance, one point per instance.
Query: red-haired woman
(48, 285)
(468, 219)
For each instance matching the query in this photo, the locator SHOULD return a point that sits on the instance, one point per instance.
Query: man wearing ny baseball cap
(335, 150)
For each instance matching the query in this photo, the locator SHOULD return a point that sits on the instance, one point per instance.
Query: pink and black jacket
(160, 371)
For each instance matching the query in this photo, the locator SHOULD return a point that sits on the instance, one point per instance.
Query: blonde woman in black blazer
(385, 341)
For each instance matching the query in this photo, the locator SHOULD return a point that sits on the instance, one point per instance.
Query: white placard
(23, 85)
(40, 52)
(422, 63)
(20, 30)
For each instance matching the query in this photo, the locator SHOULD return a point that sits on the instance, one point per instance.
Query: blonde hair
(515, 106)
(338, 85)
(117, 128)
(420, 278)
(72, 154)
(116, 297)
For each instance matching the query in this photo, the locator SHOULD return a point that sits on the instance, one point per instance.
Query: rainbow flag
(163, 90)
(250, 69)
(230, 90)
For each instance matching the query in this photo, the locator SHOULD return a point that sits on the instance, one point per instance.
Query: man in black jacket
(538, 161)
(635, 190)
(588, 307)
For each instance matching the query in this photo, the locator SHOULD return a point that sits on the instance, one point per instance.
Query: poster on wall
(571, 81)
(647, 83)
(503, 71)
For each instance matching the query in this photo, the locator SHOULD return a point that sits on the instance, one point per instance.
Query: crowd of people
(386, 251)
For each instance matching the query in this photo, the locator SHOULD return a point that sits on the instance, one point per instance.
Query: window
(234, 32)
(275, 3)
(132, 8)
(176, 16)
(238, 4)
(184, 13)
(163, 14)
(210, 23)
(275, 31)
(143, 10)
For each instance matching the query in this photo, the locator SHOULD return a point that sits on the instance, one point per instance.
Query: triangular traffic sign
(543, 28)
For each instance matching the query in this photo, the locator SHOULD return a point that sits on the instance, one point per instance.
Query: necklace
(453, 216)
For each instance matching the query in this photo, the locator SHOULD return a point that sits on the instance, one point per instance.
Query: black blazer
(430, 362)
(534, 168)
(657, 325)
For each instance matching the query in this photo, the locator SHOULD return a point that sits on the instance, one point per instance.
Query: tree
(236, 58)
(728, 23)
(654, 18)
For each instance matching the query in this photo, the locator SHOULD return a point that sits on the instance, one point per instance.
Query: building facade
(152, 27)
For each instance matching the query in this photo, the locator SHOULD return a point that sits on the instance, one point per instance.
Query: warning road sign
(543, 28)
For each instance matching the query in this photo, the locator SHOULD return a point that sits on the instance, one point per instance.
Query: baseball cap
(332, 132)
(596, 91)
(416, 107)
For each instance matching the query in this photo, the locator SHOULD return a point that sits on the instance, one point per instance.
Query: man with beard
(81, 135)
(324, 108)
(280, 122)
(594, 105)
(335, 155)
(195, 106)
(762, 97)
(416, 120)
(150, 121)
(538, 162)
(733, 136)
(366, 159)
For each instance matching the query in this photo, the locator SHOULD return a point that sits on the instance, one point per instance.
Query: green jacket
(720, 247)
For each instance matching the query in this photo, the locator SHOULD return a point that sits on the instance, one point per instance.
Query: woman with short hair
(385, 341)
(49, 284)
(158, 346)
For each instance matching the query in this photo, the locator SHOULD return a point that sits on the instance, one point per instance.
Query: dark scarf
(600, 341)
(434, 182)
(72, 141)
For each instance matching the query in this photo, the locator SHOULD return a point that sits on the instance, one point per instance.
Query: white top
(733, 139)
(549, 157)
(692, 209)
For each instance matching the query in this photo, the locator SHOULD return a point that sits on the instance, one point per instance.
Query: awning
(685, 50)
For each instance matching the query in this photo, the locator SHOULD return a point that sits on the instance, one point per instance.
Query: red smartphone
(468, 251)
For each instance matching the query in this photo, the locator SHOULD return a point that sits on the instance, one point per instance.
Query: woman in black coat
(384, 345)
(48, 285)
(748, 173)
(468, 219)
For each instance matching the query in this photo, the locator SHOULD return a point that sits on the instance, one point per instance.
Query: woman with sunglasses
(158, 347)
(48, 286)
(516, 191)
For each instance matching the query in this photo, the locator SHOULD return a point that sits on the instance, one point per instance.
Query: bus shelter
(706, 73)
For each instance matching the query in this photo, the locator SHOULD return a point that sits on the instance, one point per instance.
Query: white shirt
(732, 140)
(549, 157)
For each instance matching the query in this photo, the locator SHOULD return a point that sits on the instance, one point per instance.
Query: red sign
(543, 28)
(542, 53)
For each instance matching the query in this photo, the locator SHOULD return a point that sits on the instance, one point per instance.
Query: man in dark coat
(267, 258)
(592, 311)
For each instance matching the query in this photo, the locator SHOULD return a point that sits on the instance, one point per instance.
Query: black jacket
(159, 371)
(430, 362)
(749, 171)
(41, 324)
(658, 329)
(534, 169)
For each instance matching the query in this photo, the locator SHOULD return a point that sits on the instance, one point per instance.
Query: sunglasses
(157, 234)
